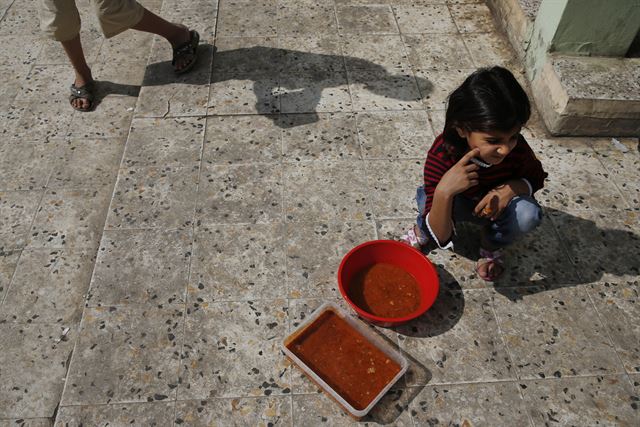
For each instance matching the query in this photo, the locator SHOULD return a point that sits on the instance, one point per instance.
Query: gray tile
(21, 20)
(141, 266)
(379, 90)
(242, 139)
(70, 218)
(472, 18)
(110, 119)
(311, 52)
(132, 47)
(238, 263)
(243, 94)
(623, 171)
(392, 185)
(27, 164)
(233, 19)
(18, 51)
(52, 52)
(33, 363)
(454, 347)
(429, 18)
(319, 137)
(235, 412)
(554, 333)
(370, 19)
(165, 142)
(17, 210)
(437, 119)
(438, 52)
(314, 91)
(394, 135)
(8, 262)
(582, 401)
(490, 49)
(497, 404)
(28, 422)
(49, 286)
(247, 55)
(375, 52)
(319, 191)
(43, 120)
(154, 414)
(11, 81)
(233, 350)
(45, 84)
(297, 17)
(153, 198)
(436, 85)
(137, 349)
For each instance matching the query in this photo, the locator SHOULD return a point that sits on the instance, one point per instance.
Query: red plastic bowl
(390, 252)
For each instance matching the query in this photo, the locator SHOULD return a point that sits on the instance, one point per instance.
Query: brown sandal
(84, 92)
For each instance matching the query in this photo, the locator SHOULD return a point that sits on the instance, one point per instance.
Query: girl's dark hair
(490, 99)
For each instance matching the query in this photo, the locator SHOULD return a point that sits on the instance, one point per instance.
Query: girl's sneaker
(490, 265)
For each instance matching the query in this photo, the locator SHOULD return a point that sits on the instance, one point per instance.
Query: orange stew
(344, 359)
(385, 290)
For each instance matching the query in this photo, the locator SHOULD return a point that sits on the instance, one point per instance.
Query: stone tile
(454, 348)
(622, 169)
(553, 333)
(11, 82)
(243, 94)
(17, 210)
(369, 19)
(8, 262)
(310, 17)
(88, 163)
(171, 142)
(429, 18)
(49, 286)
(10, 117)
(490, 49)
(234, 412)
(153, 198)
(133, 47)
(619, 308)
(233, 350)
(229, 194)
(582, 401)
(28, 422)
(314, 251)
(394, 135)
(238, 263)
(33, 362)
(233, 19)
(52, 52)
(472, 18)
(311, 52)
(19, 52)
(43, 121)
(21, 19)
(154, 414)
(27, 164)
(392, 185)
(375, 52)
(110, 119)
(330, 136)
(379, 90)
(242, 139)
(70, 218)
(247, 55)
(470, 404)
(577, 181)
(199, 15)
(137, 349)
(119, 78)
(140, 267)
(46, 84)
(314, 91)
(436, 86)
(599, 243)
(318, 191)
(437, 119)
(437, 52)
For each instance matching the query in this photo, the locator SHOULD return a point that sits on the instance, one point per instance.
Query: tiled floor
(155, 252)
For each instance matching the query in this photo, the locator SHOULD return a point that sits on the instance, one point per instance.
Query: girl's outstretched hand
(494, 202)
(461, 176)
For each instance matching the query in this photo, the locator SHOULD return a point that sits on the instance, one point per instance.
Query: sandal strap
(491, 256)
(188, 47)
(84, 92)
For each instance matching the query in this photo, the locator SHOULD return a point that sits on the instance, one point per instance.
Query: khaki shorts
(60, 20)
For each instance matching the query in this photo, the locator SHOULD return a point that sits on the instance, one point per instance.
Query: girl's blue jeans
(521, 215)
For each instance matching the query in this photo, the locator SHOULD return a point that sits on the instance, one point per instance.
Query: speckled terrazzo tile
(455, 347)
(165, 142)
(606, 400)
(52, 51)
(229, 194)
(436, 85)
(497, 404)
(375, 52)
(472, 18)
(70, 218)
(314, 251)
(577, 180)
(27, 422)
(33, 362)
(369, 19)
(110, 119)
(623, 171)
(315, 91)
(19, 52)
(430, 18)
(11, 81)
(297, 17)
(141, 266)
(120, 78)
(437, 51)
(243, 94)
(260, 411)
(553, 333)
(392, 186)
(600, 243)
(21, 19)
(8, 262)
(88, 163)
(311, 52)
(49, 286)
(318, 409)
(233, 19)
(132, 47)
(437, 119)
(153, 198)
(378, 90)
(490, 49)
(43, 120)
(619, 308)
(17, 210)
(172, 100)
(322, 191)
(233, 350)
(27, 164)
(247, 55)
(156, 414)
(242, 139)
(319, 137)
(137, 349)
(393, 135)
(201, 16)
(45, 84)
(238, 263)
